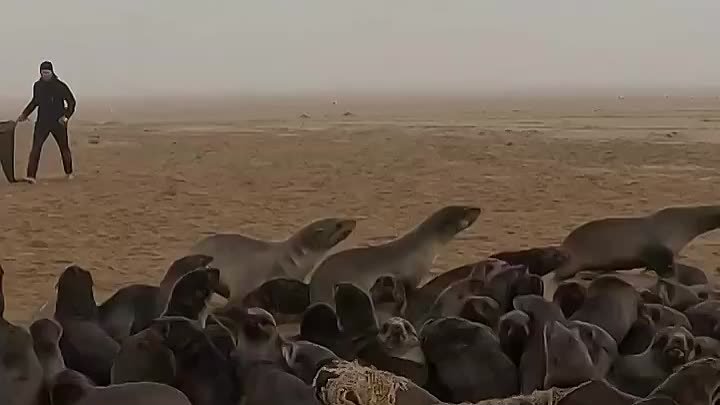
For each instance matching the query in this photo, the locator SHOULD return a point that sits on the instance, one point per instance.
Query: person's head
(46, 71)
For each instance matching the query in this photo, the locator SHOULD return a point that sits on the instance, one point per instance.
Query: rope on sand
(349, 383)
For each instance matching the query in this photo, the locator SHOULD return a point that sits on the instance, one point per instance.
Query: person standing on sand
(49, 96)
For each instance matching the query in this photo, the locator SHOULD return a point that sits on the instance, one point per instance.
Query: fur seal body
(85, 345)
(612, 304)
(285, 298)
(20, 371)
(539, 261)
(397, 350)
(409, 257)
(132, 308)
(625, 243)
(695, 383)
(246, 263)
(389, 298)
(640, 374)
(705, 318)
(467, 361)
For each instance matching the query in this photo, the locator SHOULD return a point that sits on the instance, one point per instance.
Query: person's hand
(63, 120)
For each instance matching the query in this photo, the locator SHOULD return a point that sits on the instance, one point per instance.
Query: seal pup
(84, 344)
(285, 298)
(625, 243)
(707, 347)
(245, 263)
(420, 300)
(532, 362)
(570, 296)
(467, 363)
(539, 261)
(695, 383)
(676, 295)
(514, 332)
(664, 316)
(601, 347)
(337, 381)
(451, 300)
(320, 325)
(202, 372)
(567, 361)
(612, 304)
(144, 357)
(640, 374)
(705, 318)
(409, 257)
(70, 387)
(131, 309)
(190, 297)
(397, 350)
(73, 388)
(690, 275)
(388, 297)
(484, 310)
(640, 336)
(20, 371)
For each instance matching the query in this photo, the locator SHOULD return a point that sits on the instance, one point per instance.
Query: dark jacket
(50, 98)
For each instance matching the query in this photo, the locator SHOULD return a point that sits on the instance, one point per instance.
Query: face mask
(46, 74)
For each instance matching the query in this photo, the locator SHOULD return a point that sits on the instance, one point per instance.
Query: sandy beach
(152, 179)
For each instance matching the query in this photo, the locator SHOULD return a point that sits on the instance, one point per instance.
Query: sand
(153, 180)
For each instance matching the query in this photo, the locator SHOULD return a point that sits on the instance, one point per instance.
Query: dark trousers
(40, 135)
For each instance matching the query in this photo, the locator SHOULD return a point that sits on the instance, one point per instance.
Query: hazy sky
(112, 47)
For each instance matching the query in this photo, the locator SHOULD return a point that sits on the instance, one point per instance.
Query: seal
(285, 298)
(320, 325)
(420, 300)
(191, 295)
(388, 297)
(539, 260)
(676, 295)
(705, 318)
(514, 332)
(202, 372)
(85, 345)
(567, 361)
(131, 309)
(640, 374)
(336, 381)
(612, 304)
(144, 357)
(484, 310)
(397, 350)
(695, 383)
(640, 336)
(450, 301)
(355, 311)
(245, 263)
(601, 347)
(707, 347)
(73, 388)
(21, 376)
(663, 316)
(570, 296)
(690, 275)
(409, 257)
(599, 392)
(467, 362)
(266, 382)
(625, 243)
(532, 362)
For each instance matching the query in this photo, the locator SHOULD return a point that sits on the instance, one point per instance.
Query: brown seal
(695, 383)
(612, 304)
(676, 295)
(85, 345)
(21, 376)
(467, 362)
(625, 243)
(640, 374)
(131, 309)
(570, 296)
(245, 263)
(190, 297)
(539, 260)
(389, 298)
(514, 332)
(409, 257)
(705, 318)
(285, 298)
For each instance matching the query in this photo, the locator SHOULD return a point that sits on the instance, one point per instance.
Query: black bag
(7, 149)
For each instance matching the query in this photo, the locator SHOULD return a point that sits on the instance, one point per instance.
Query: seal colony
(362, 326)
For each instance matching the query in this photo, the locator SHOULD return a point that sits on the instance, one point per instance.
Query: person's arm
(31, 105)
(70, 99)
